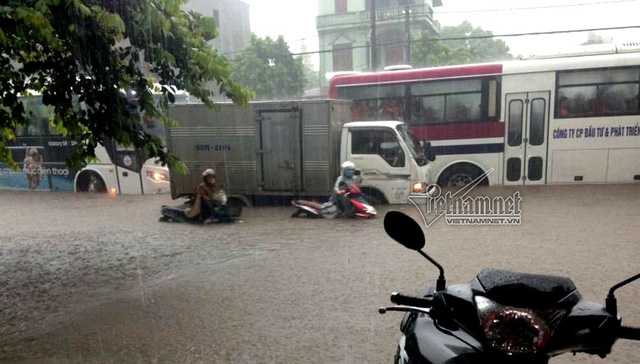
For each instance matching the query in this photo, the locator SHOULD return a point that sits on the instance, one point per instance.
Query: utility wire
(470, 11)
(532, 7)
(477, 37)
(402, 16)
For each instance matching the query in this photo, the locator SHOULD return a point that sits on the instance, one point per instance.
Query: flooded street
(94, 279)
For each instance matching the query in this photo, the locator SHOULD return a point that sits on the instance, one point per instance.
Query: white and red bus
(571, 119)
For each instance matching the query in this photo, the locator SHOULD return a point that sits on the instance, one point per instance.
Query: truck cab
(390, 160)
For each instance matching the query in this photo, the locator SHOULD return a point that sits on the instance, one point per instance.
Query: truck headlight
(419, 187)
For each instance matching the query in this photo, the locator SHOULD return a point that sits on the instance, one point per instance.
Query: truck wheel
(374, 197)
(91, 182)
(374, 200)
(460, 176)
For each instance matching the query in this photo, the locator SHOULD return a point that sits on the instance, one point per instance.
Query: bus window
(371, 92)
(602, 92)
(463, 107)
(427, 110)
(453, 101)
(536, 124)
(391, 109)
(581, 100)
(492, 102)
(618, 99)
(516, 112)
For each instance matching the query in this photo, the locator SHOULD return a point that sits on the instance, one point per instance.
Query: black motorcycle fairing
(484, 358)
(426, 343)
(587, 328)
(527, 290)
(455, 307)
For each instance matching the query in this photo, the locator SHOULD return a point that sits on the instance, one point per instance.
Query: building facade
(345, 32)
(232, 18)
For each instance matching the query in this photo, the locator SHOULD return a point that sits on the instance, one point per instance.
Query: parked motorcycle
(501, 316)
(361, 208)
(223, 213)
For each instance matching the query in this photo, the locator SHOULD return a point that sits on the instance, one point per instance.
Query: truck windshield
(412, 143)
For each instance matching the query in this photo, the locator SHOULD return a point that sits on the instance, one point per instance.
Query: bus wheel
(460, 176)
(91, 182)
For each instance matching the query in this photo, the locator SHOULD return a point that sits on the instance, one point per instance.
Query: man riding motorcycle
(343, 186)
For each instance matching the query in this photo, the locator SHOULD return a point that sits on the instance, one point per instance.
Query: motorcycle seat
(307, 203)
(527, 290)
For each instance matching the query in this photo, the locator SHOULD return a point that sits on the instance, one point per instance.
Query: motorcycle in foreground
(361, 208)
(501, 316)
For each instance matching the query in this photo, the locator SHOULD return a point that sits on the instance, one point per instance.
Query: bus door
(128, 163)
(525, 149)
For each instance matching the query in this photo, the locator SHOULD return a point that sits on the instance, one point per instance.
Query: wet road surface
(94, 279)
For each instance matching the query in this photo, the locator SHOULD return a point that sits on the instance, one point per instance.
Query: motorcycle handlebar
(630, 333)
(404, 300)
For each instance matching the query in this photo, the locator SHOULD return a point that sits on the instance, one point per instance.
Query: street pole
(374, 49)
(407, 30)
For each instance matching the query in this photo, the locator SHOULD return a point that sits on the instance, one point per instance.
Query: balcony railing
(362, 18)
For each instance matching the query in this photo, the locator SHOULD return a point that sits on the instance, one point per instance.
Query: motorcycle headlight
(371, 210)
(515, 330)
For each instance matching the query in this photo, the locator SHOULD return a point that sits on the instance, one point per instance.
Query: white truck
(294, 149)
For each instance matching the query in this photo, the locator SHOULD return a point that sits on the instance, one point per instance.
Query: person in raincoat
(211, 200)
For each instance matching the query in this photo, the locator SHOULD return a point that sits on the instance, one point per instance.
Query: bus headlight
(157, 176)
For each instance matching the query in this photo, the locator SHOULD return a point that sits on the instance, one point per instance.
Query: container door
(525, 150)
(279, 131)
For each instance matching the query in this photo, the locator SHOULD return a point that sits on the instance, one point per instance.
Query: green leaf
(80, 56)
(175, 165)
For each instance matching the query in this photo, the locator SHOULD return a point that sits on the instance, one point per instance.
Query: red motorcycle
(361, 208)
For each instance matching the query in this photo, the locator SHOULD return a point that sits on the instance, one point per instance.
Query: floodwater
(95, 279)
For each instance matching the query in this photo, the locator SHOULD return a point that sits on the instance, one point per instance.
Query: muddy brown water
(94, 279)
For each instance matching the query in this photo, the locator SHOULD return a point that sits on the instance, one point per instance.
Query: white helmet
(208, 172)
(347, 165)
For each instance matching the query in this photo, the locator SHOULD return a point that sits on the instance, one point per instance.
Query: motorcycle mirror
(357, 172)
(403, 229)
(428, 152)
(611, 301)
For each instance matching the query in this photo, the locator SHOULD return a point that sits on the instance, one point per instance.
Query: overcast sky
(295, 19)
